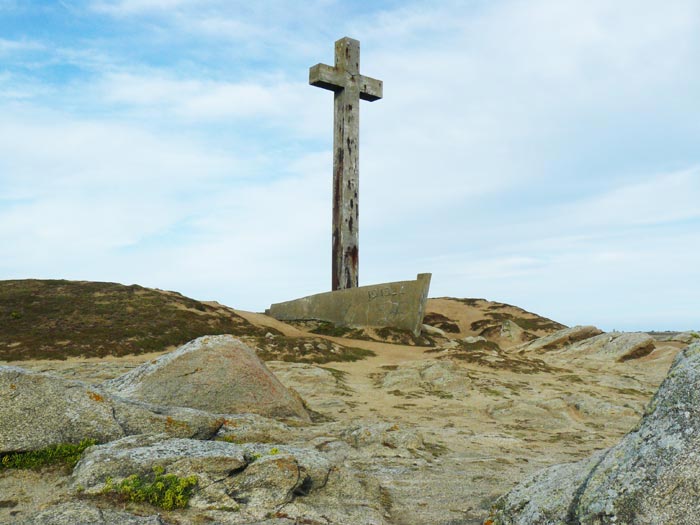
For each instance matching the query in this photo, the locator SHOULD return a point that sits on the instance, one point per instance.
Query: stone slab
(400, 304)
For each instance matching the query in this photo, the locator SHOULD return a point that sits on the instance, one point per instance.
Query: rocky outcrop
(321, 388)
(252, 428)
(69, 411)
(619, 346)
(239, 483)
(513, 333)
(82, 513)
(651, 476)
(680, 337)
(214, 373)
(429, 376)
(38, 410)
(559, 339)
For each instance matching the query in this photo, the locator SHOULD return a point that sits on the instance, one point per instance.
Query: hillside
(435, 428)
(57, 319)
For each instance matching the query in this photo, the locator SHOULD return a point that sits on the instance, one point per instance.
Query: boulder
(217, 374)
(38, 410)
(253, 479)
(559, 339)
(511, 331)
(68, 411)
(433, 330)
(545, 497)
(685, 338)
(619, 346)
(651, 476)
(209, 460)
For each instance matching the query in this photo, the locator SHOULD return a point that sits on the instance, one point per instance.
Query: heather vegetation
(51, 319)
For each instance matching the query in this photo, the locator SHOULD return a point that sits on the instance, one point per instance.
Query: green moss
(66, 454)
(166, 491)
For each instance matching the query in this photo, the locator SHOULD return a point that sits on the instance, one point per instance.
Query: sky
(542, 153)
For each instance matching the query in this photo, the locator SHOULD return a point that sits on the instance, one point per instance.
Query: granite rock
(217, 374)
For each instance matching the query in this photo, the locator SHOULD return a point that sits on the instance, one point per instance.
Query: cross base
(399, 304)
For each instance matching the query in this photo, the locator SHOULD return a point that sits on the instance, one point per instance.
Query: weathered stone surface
(137, 417)
(545, 497)
(255, 479)
(432, 330)
(82, 513)
(349, 497)
(210, 461)
(252, 428)
(560, 339)
(68, 411)
(651, 476)
(384, 438)
(38, 410)
(277, 477)
(682, 337)
(427, 377)
(620, 346)
(213, 373)
(399, 304)
(511, 331)
(322, 389)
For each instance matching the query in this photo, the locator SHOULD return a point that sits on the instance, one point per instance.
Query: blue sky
(542, 153)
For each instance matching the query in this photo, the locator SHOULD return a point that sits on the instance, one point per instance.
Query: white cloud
(273, 99)
(668, 197)
(521, 152)
(10, 47)
(132, 7)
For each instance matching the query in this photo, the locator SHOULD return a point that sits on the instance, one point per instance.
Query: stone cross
(349, 87)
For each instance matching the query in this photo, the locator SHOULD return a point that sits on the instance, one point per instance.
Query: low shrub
(166, 491)
(65, 454)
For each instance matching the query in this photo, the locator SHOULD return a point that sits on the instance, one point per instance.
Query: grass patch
(65, 454)
(442, 322)
(56, 319)
(307, 350)
(165, 491)
(326, 328)
(402, 337)
(489, 355)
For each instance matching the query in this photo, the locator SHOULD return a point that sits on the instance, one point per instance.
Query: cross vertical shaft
(349, 87)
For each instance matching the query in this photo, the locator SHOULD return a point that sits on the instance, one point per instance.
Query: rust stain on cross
(349, 87)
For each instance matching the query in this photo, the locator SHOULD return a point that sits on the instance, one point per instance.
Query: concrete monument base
(399, 304)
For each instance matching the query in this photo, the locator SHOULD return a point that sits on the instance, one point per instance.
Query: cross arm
(326, 77)
(333, 79)
(371, 89)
